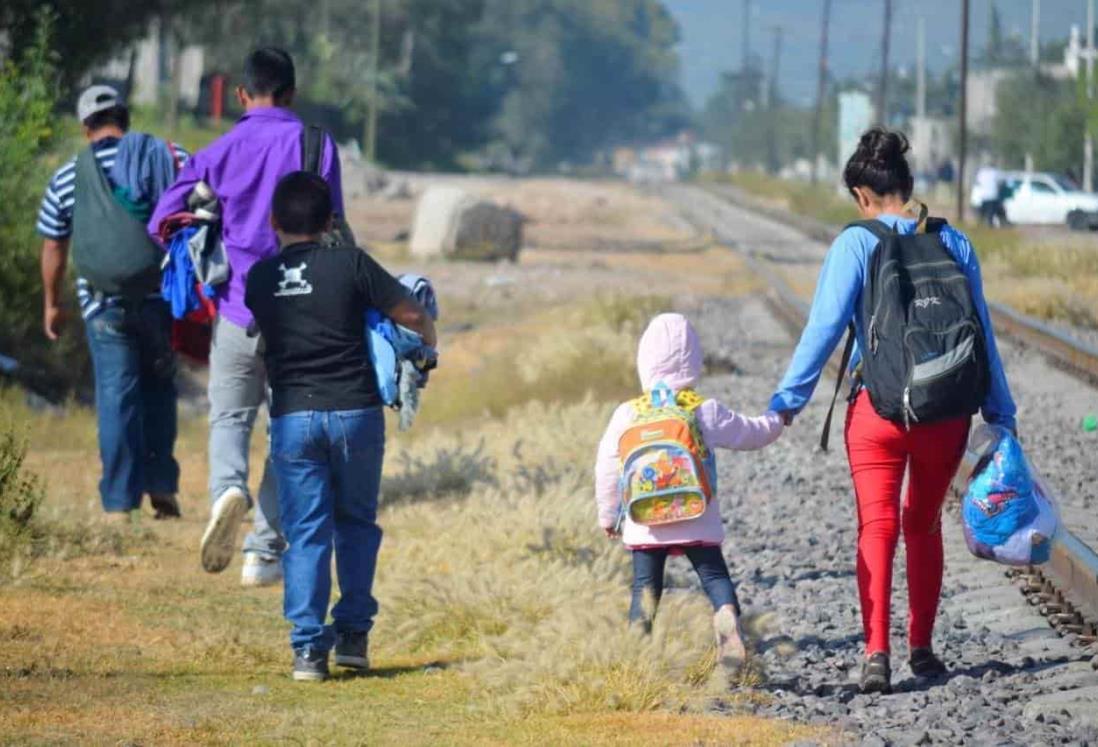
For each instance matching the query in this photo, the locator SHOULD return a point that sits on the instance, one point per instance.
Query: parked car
(1049, 199)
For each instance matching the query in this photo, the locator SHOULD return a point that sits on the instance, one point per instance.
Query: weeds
(20, 496)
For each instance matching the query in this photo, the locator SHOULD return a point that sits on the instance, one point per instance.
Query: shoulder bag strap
(312, 148)
(848, 350)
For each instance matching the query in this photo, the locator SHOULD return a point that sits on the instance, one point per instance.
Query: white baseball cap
(96, 99)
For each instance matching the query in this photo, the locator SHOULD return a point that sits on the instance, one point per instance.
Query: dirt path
(118, 637)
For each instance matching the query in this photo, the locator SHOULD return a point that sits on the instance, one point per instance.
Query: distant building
(855, 117)
(667, 160)
(931, 143)
(153, 58)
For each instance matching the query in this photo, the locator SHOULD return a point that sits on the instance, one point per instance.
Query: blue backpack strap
(662, 395)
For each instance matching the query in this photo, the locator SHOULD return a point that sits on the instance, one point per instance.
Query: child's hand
(611, 532)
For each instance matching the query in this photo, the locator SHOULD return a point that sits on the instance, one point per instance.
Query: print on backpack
(666, 468)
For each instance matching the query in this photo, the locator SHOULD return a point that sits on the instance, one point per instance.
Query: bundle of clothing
(402, 361)
(1007, 514)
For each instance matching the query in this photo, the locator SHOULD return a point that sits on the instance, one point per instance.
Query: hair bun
(884, 146)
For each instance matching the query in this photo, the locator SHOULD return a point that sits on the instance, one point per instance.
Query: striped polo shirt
(55, 215)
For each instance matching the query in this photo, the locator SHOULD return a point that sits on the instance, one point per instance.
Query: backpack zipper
(909, 411)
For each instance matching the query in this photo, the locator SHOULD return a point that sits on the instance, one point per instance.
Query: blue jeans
(708, 562)
(135, 401)
(328, 466)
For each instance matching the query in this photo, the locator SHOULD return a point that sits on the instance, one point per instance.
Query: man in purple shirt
(242, 168)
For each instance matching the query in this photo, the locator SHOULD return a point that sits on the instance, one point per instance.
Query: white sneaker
(260, 571)
(219, 539)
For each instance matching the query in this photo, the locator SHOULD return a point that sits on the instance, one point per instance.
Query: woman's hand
(787, 417)
(611, 532)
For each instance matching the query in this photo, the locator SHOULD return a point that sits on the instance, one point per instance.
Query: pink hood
(670, 352)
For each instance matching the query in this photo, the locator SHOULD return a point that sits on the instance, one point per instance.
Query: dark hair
(269, 71)
(116, 115)
(302, 203)
(879, 163)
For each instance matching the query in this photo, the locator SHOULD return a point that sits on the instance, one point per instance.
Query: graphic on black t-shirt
(293, 282)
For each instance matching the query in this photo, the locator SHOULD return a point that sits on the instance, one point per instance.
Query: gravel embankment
(791, 545)
(792, 535)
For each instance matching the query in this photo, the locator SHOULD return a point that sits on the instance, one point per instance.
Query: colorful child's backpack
(667, 470)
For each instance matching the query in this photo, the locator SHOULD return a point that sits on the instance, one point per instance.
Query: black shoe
(877, 674)
(310, 665)
(925, 664)
(165, 505)
(350, 650)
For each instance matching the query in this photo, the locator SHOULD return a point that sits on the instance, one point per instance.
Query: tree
(1042, 116)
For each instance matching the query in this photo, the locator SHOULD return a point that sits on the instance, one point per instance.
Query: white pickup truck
(1049, 199)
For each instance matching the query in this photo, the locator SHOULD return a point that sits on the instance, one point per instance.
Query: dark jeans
(135, 401)
(328, 467)
(708, 562)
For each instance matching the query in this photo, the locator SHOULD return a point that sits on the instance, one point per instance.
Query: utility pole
(746, 29)
(372, 72)
(821, 90)
(886, 42)
(772, 102)
(962, 114)
(1035, 33)
(920, 68)
(1088, 142)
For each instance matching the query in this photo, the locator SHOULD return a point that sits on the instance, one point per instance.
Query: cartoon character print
(999, 493)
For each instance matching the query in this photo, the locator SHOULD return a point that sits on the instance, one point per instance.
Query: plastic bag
(1007, 513)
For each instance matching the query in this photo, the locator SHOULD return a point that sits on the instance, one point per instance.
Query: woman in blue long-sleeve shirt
(880, 450)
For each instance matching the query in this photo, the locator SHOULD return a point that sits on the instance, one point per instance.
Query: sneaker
(219, 539)
(350, 650)
(165, 505)
(731, 650)
(310, 665)
(260, 571)
(877, 674)
(925, 664)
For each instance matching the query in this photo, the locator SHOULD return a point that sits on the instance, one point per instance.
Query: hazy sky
(711, 35)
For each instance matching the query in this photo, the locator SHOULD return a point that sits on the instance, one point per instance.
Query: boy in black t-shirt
(327, 427)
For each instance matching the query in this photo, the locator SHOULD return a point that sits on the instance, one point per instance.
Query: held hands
(54, 319)
(611, 532)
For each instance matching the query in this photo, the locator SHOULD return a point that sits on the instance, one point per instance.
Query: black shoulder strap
(848, 350)
(312, 147)
(875, 227)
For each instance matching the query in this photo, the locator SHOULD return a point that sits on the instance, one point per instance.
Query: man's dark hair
(302, 204)
(269, 71)
(116, 115)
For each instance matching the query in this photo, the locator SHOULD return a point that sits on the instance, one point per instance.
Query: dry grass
(502, 613)
(502, 606)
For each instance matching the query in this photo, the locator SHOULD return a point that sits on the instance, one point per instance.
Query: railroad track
(1065, 590)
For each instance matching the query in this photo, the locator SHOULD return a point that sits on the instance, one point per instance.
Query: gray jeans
(238, 387)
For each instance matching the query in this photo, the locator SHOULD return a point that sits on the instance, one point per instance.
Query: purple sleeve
(330, 170)
(608, 467)
(174, 199)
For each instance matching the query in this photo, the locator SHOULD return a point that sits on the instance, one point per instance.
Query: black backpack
(924, 357)
(312, 149)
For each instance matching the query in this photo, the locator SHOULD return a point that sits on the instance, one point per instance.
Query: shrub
(28, 94)
(20, 496)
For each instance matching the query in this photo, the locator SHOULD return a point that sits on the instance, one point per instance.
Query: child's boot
(731, 650)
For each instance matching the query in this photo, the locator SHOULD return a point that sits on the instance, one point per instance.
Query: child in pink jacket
(670, 353)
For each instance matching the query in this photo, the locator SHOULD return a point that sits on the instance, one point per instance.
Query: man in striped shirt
(129, 338)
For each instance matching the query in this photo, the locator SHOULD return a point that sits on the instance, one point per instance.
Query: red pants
(879, 452)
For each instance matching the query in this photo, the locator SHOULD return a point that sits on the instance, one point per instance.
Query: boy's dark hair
(269, 71)
(879, 163)
(302, 204)
(116, 115)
